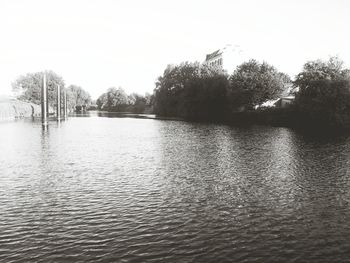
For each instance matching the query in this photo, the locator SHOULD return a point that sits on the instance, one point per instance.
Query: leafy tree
(29, 86)
(102, 101)
(149, 99)
(116, 98)
(324, 92)
(253, 83)
(192, 91)
(132, 98)
(138, 102)
(170, 88)
(77, 96)
(316, 70)
(205, 96)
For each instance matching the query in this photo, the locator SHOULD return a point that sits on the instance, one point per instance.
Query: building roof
(213, 55)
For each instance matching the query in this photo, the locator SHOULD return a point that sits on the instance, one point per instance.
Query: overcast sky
(98, 44)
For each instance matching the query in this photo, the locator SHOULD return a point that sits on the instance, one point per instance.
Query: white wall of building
(232, 57)
(228, 58)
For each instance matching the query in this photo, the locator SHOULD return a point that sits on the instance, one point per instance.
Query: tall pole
(65, 104)
(47, 99)
(58, 103)
(44, 101)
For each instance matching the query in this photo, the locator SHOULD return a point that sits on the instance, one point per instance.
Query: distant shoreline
(274, 117)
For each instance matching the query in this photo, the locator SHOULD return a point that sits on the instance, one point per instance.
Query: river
(96, 189)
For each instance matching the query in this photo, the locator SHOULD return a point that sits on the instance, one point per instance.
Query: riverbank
(111, 114)
(11, 109)
(293, 118)
(281, 117)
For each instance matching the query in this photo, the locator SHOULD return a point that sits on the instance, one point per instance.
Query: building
(287, 99)
(285, 102)
(215, 58)
(227, 58)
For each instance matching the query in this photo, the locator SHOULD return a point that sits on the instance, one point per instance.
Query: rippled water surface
(99, 189)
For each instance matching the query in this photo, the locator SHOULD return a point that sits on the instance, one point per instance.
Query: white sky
(98, 44)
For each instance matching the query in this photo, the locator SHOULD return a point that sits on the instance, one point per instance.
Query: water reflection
(133, 189)
(113, 115)
(267, 179)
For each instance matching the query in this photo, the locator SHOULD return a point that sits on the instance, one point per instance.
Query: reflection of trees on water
(224, 160)
(256, 179)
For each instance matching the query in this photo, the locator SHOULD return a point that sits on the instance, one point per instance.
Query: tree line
(201, 92)
(197, 91)
(28, 88)
(324, 93)
(116, 99)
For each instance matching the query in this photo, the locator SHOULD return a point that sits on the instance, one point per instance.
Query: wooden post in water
(58, 103)
(44, 101)
(65, 104)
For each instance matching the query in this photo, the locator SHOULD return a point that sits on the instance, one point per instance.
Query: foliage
(138, 102)
(253, 83)
(118, 100)
(325, 96)
(101, 102)
(29, 86)
(333, 69)
(324, 92)
(192, 91)
(77, 96)
(149, 98)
